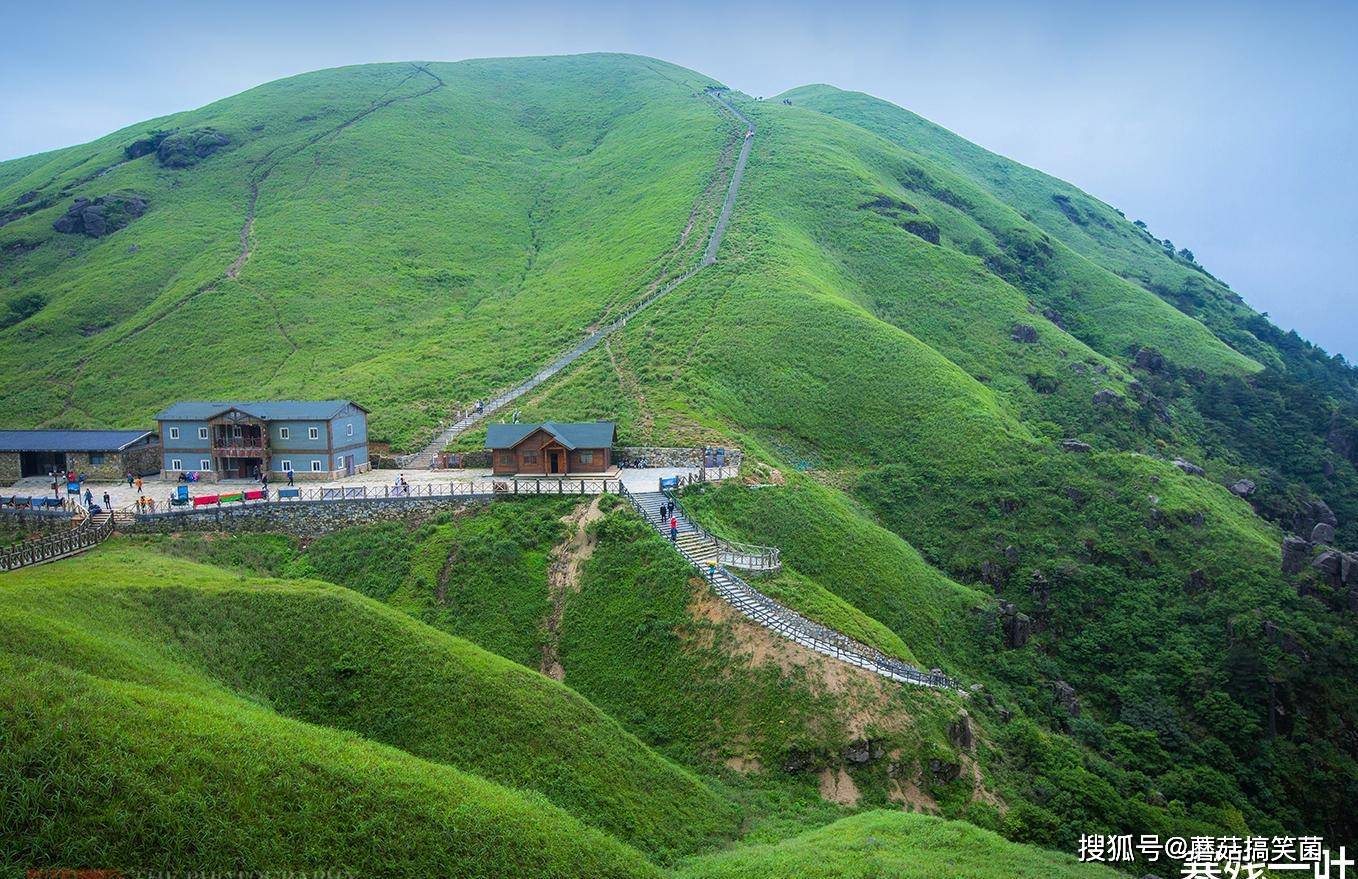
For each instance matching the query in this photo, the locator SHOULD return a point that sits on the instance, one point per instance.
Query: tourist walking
(129, 478)
(108, 504)
(290, 477)
(674, 529)
(89, 498)
(138, 485)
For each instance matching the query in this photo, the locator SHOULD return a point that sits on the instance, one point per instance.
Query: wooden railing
(87, 532)
(746, 556)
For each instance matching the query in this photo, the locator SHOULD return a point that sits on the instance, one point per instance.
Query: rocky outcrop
(1197, 582)
(1054, 316)
(861, 751)
(1024, 333)
(100, 216)
(1107, 397)
(1242, 488)
(145, 146)
(1150, 360)
(1295, 553)
(185, 148)
(1311, 514)
(1074, 445)
(1322, 533)
(1066, 698)
(1018, 627)
(1189, 467)
(960, 732)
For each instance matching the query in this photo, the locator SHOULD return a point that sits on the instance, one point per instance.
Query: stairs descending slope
(702, 552)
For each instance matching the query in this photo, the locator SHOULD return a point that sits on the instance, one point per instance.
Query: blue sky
(1228, 127)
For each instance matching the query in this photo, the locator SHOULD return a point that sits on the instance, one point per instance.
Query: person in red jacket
(674, 529)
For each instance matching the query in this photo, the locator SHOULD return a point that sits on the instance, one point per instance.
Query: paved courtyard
(159, 490)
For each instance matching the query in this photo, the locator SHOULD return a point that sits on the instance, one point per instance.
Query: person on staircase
(674, 530)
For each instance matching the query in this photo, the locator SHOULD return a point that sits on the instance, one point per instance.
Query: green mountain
(998, 428)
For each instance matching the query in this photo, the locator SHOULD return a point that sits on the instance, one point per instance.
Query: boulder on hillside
(100, 216)
(185, 148)
(1189, 467)
(1054, 316)
(1107, 397)
(960, 732)
(1017, 626)
(1311, 514)
(1024, 333)
(1331, 564)
(1322, 533)
(145, 146)
(1066, 698)
(1074, 445)
(1242, 488)
(1149, 359)
(1295, 553)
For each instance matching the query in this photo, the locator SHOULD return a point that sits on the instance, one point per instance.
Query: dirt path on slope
(563, 580)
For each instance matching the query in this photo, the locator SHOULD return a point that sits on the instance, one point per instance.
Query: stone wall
(9, 468)
(302, 518)
(142, 460)
(660, 456)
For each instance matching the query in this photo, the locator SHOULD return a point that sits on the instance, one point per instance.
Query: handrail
(276, 497)
(747, 556)
(792, 625)
(84, 534)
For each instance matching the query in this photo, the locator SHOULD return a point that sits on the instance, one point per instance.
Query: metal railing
(746, 556)
(285, 495)
(88, 531)
(767, 612)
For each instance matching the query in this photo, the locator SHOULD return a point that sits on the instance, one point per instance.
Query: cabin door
(554, 460)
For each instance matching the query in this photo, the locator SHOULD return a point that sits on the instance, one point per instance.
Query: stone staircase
(86, 531)
(704, 553)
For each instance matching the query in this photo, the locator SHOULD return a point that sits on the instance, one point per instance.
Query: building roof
(268, 410)
(69, 440)
(572, 435)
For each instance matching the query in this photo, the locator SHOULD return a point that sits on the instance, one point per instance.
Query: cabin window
(313, 432)
(285, 433)
(315, 466)
(176, 464)
(174, 433)
(202, 433)
(205, 465)
(586, 457)
(506, 459)
(530, 457)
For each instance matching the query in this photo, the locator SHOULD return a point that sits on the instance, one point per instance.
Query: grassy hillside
(324, 655)
(405, 225)
(893, 845)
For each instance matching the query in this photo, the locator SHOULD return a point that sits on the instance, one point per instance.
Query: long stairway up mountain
(424, 458)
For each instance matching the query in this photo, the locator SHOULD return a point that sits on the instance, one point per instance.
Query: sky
(1228, 127)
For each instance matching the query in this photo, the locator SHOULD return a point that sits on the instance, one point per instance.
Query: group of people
(401, 486)
(667, 514)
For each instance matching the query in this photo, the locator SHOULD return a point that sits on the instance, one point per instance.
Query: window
(235, 431)
(202, 433)
(174, 433)
(96, 458)
(205, 465)
(350, 431)
(285, 466)
(586, 457)
(313, 432)
(176, 464)
(506, 459)
(530, 457)
(315, 465)
(285, 433)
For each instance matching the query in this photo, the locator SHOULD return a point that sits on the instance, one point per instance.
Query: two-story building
(315, 439)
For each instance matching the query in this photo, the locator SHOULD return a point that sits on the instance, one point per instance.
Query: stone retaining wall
(661, 456)
(302, 518)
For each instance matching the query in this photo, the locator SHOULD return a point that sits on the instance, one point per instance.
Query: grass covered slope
(96, 770)
(325, 655)
(892, 845)
(382, 226)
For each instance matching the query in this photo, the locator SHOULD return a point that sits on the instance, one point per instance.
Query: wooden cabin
(552, 448)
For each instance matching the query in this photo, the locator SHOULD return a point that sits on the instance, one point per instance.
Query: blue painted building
(315, 439)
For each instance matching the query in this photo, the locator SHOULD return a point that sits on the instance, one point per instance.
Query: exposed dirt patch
(563, 579)
(907, 792)
(837, 786)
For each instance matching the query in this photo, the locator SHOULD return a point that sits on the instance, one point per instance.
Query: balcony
(239, 446)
